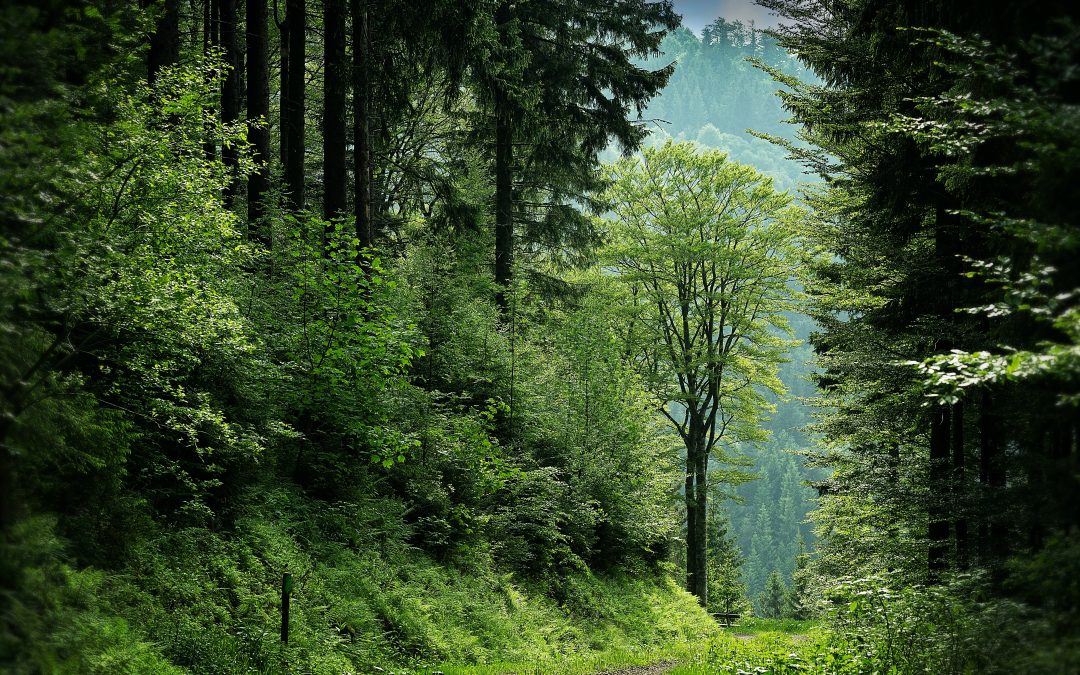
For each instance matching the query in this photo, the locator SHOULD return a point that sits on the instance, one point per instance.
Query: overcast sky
(699, 13)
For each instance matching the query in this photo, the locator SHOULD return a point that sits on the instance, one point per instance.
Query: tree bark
(210, 43)
(960, 523)
(361, 95)
(938, 529)
(504, 206)
(165, 40)
(334, 94)
(283, 85)
(230, 94)
(696, 498)
(994, 547)
(701, 540)
(690, 499)
(293, 115)
(258, 112)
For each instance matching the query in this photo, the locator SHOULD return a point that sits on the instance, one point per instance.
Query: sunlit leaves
(704, 247)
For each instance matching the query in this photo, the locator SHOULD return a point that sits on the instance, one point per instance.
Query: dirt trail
(654, 669)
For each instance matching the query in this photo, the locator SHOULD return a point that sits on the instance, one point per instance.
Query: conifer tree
(560, 85)
(293, 101)
(772, 603)
(915, 214)
(258, 109)
(335, 91)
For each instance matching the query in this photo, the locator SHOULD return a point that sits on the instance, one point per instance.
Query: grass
(758, 646)
(624, 622)
(754, 626)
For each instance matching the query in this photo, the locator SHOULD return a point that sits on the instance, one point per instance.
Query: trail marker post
(286, 589)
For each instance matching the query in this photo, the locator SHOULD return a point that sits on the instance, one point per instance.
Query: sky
(699, 13)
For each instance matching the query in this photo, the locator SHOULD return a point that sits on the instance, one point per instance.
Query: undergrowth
(202, 601)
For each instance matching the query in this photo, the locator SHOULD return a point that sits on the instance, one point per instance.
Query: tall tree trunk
(701, 540)
(504, 205)
(690, 499)
(230, 94)
(210, 43)
(361, 95)
(9, 481)
(696, 497)
(938, 529)
(165, 40)
(992, 531)
(334, 94)
(258, 110)
(283, 85)
(959, 485)
(293, 116)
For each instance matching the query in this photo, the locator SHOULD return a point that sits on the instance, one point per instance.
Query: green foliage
(683, 211)
(766, 646)
(772, 603)
(704, 250)
(61, 620)
(209, 603)
(993, 102)
(727, 588)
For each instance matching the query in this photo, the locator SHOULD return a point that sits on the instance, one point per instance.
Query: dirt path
(654, 669)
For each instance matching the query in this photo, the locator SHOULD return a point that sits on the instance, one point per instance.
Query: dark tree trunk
(9, 482)
(258, 110)
(230, 94)
(504, 207)
(283, 86)
(361, 65)
(334, 93)
(165, 40)
(993, 532)
(938, 529)
(690, 498)
(697, 494)
(701, 540)
(210, 43)
(959, 487)
(293, 115)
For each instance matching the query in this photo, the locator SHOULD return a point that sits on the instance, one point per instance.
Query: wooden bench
(726, 618)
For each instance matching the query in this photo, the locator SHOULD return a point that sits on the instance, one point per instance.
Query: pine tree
(335, 92)
(914, 214)
(772, 602)
(727, 588)
(559, 84)
(798, 603)
(294, 102)
(258, 108)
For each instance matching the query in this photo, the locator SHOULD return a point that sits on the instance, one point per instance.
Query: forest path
(654, 669)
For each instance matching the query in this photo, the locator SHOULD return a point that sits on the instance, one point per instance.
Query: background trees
(705, 249)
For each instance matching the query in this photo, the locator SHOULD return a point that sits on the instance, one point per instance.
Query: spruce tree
(560, 84)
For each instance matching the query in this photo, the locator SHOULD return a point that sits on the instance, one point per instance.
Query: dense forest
(492, 336)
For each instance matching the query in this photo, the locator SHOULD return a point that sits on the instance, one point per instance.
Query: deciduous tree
(704, 247)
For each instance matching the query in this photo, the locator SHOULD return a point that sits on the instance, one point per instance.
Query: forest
(539, 336)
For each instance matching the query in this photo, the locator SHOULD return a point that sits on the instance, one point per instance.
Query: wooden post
(286, 589)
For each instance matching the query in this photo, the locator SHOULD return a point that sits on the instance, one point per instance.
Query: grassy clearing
(760, 646)
(756, 626)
